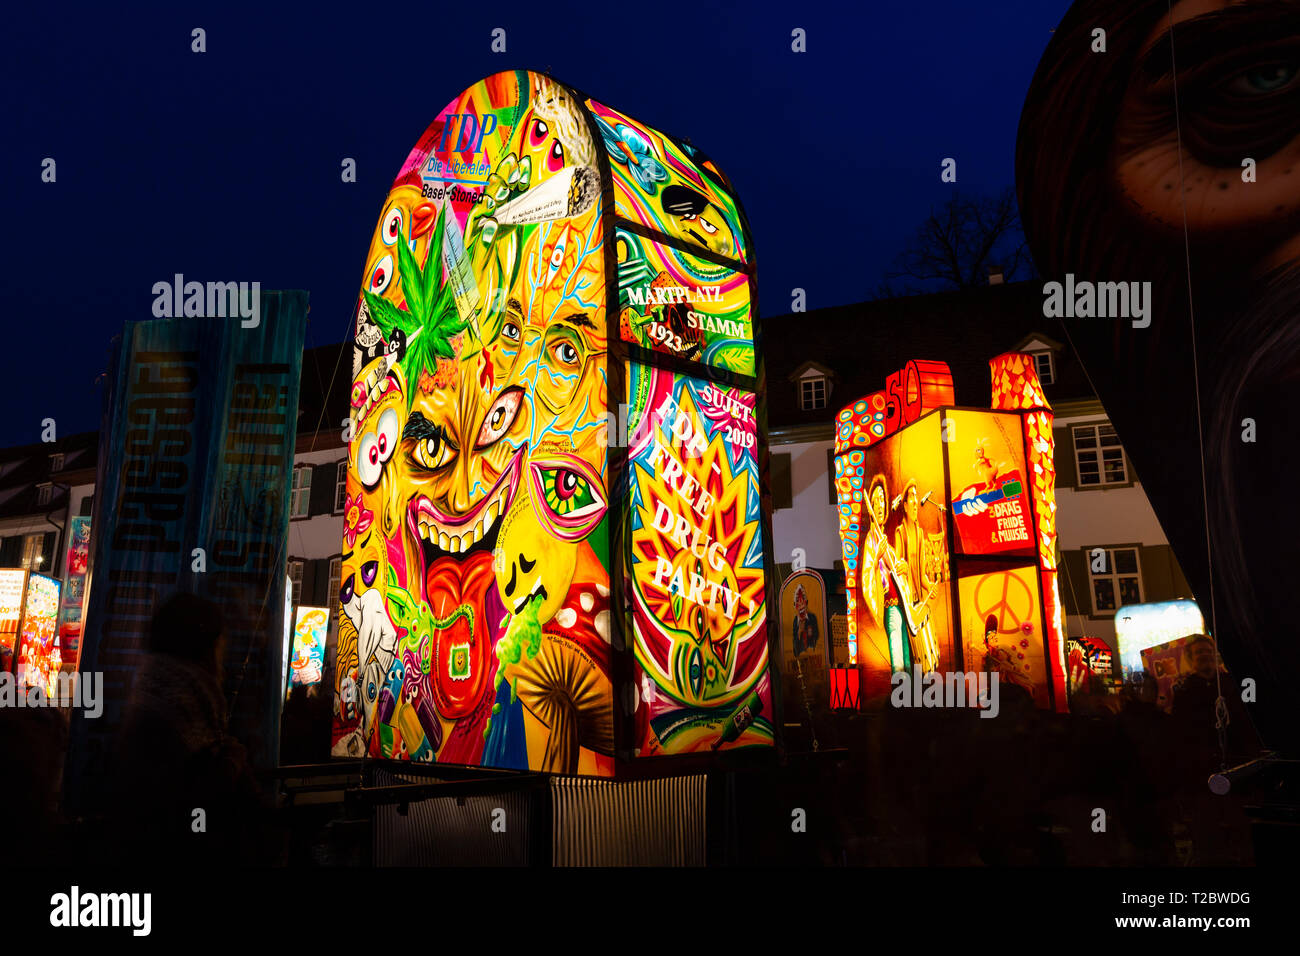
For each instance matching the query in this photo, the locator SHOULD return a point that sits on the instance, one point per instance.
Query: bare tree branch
(957, 244)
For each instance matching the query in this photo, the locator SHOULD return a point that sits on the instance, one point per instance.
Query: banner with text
(196, 450)
(696, 566)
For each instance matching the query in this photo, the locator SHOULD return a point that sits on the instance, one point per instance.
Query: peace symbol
(1007, 609)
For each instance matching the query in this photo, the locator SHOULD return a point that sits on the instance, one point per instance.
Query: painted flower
(356, 519)
(629, 148)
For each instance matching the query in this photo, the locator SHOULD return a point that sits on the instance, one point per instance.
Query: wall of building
(811, 522)
(1106, 517)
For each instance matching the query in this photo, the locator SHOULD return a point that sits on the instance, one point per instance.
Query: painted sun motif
(699, 590)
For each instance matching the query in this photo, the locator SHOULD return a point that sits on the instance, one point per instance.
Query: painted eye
(511, 331)
(565, 353)
(391, 229)
(570, 498)
(369, 465)
(567, 484)
(566, 491)
(345, 592)
(1263, 80)
(386, 434)
(433, 452)
(540, 129)
(369, 571)
(500, 417)
(381, 275)
(707, 226)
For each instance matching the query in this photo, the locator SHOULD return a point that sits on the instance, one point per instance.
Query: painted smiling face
(697, 219)
(378, 420)
(559, 505)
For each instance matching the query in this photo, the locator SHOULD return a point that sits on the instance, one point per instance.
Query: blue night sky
(225, 165)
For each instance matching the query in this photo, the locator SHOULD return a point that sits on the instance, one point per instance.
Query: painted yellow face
(406, 218)
(378, 420)
(710, 229)
(463, 453)
(561, 501)
(562, 497)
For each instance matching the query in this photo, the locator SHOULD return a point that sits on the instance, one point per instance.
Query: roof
(861, 344)
(25, 468)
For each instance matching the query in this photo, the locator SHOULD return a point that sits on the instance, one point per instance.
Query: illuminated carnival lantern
(553, 407)
(947, 520)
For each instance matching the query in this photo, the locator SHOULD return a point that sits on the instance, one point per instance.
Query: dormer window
(812, 393)
(56, 462)
(813, 384)
(1043, 350)
(1045, 365)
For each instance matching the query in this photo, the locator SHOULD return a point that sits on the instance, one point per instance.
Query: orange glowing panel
(848, 489)
(1015, 383)
(1016, 387)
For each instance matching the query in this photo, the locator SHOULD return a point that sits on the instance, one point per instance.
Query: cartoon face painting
(477, 618)
(475, 474)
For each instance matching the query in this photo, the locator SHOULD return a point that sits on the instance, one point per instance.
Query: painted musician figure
(912, 548)
(883, 587)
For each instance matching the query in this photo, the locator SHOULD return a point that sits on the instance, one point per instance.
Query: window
(1099, 455)
(44, 493)
(341, 488)
(33, 552)
(782, 489)
(812, 393)
(1044, 364)
(300, 499)
(830, 474)
(56, 462)
(295, 579)
(332, 595)
(1116, 578)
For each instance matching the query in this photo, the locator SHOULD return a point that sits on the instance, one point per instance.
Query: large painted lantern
(553, 541)
(948, 531)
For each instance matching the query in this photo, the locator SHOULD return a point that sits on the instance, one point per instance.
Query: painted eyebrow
(419, 428)
(1215, 34)
(581, 319)
(514, 305)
